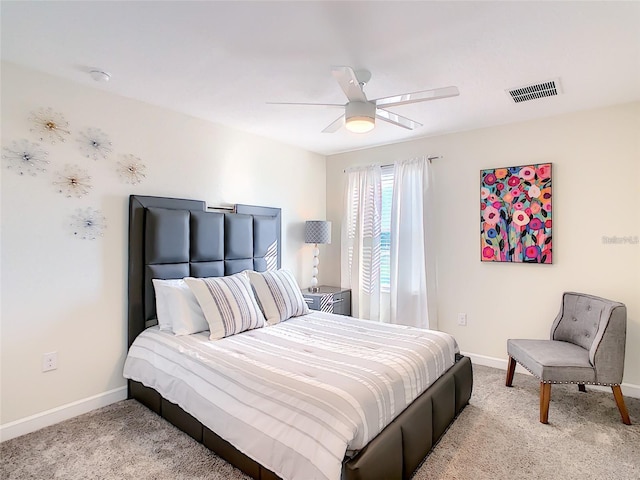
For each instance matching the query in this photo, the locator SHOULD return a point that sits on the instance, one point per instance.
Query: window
(383, 244)
(385, 228)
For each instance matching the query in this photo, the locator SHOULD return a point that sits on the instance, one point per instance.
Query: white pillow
(177, 308)
(228, 304)
(278, 295)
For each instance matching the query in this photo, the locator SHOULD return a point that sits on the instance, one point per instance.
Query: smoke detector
(99, 75)
(550, 88)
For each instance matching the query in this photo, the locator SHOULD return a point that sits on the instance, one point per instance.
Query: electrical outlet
(49, 361)
(462, 319)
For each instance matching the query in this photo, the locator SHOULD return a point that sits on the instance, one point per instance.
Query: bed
(175, 238)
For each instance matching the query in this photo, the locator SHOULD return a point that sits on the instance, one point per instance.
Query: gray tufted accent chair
(586, 348)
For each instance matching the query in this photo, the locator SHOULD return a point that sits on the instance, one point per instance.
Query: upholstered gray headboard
(176, 238)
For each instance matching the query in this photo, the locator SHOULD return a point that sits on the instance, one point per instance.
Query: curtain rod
(435, 157)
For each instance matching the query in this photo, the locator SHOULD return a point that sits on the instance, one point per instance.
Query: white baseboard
(628, 389)
(64, 412)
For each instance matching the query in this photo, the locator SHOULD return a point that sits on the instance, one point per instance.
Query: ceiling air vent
(549, 88)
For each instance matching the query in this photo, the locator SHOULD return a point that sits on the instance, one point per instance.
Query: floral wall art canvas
(515, 214)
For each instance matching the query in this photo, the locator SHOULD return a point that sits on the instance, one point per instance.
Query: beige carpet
(497, 436)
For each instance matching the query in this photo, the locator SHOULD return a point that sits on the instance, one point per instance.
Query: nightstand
(329, 299)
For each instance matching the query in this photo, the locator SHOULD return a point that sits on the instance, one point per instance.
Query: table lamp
(316, 232)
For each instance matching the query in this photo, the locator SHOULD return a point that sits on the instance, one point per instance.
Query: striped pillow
(228, 304)
(278, 295)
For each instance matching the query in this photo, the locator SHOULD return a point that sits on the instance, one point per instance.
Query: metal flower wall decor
(94, 143)
(51, 126)
(88, 224)
(73, 181)
(30, 158)
(131, 169)
(25, 157)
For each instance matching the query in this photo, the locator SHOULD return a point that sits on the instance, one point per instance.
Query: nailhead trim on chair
(561, 383)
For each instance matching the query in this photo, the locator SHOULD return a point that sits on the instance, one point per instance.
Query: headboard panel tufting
(176, 238)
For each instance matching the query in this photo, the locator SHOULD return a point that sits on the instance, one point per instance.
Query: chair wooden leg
(582, 387)
(617, 394)
(510, 371)
(545, 397)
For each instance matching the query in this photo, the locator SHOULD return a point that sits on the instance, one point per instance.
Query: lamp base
(314, 289)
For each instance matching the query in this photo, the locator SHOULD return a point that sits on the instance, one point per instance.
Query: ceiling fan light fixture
(360, 117)
(360, 124)
(360, 114)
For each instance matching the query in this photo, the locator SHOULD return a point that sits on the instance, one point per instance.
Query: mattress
(297, 396)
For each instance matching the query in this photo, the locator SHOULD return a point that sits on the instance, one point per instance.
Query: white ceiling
(222, 61)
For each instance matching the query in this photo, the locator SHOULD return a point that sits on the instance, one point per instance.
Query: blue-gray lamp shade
(317, 231)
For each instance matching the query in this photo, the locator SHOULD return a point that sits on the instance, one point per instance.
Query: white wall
(596, 193)
(63, 294)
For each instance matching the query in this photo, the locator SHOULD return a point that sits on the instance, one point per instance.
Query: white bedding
(298, 395)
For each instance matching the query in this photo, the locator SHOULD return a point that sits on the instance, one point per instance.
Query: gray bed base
(394, 454)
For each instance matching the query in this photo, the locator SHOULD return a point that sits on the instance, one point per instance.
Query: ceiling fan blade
(396, 119)
(307, 104)
(348, 81)
(335, 125)
(414, 97)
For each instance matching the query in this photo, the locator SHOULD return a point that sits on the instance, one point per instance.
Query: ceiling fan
(360, 114)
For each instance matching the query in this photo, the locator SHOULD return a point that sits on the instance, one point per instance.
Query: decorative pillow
(228, 304)
(278, 295)
(177, 309)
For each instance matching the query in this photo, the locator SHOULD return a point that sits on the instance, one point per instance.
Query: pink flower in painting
(516, 192)
(491, 215)
(547, 207)
(535, 224)
(513, 181)
(483, 206)
(489, 179)
(532, 251)
(547, 224)
(544, 171)
(497, 205)
(520, 218)
(527, 211)
(500, 186)
(501, 172)
(535, 207)
(518, 206)
(487, 252)
(534, 191)
(493, 198)
(484, 193)
(527, 173)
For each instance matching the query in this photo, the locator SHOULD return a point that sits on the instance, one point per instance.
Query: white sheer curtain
(408, 282)
(361, 240)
